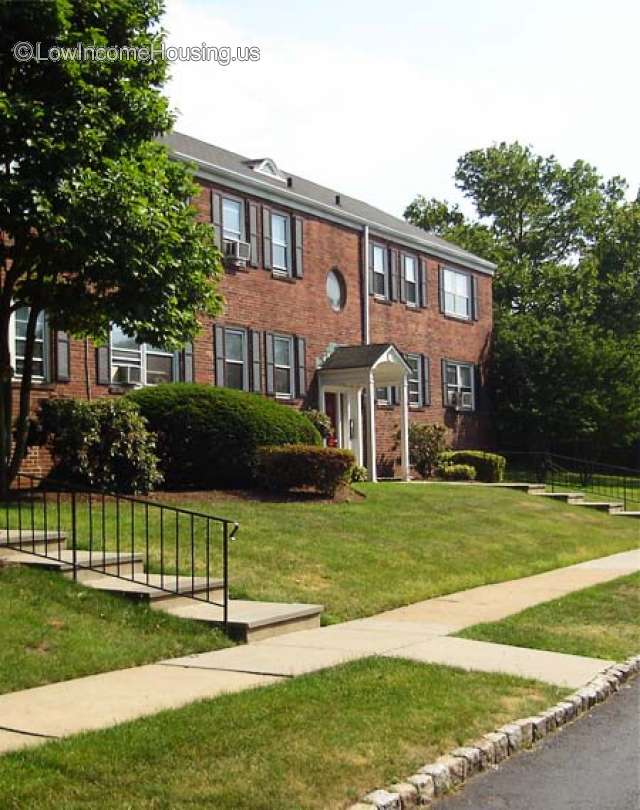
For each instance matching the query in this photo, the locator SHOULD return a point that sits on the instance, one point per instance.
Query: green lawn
(400, 544)
(53, 630)
(602, 622)
(317, 741)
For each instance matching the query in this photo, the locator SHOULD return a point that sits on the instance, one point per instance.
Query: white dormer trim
(268, 167)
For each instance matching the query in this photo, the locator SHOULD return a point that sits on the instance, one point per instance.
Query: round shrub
(489, 467)
(102, 444)
(457, 472)
(208, 436)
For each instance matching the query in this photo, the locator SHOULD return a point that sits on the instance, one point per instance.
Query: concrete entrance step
(567, 497)
(62, 562)
(604, 506)
(32, 540)
(627, 514)
(154, 587)
(248, 621)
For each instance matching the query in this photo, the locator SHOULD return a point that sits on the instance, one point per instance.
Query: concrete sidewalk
(418, 632)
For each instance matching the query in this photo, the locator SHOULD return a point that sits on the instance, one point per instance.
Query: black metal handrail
(560, 471)
(167, 548)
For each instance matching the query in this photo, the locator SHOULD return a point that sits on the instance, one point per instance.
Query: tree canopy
(96, 221)
(565, 363)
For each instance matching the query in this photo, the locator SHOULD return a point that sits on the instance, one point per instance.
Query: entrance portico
(353, 373)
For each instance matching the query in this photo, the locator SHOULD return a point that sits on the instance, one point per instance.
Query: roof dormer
(268, 167)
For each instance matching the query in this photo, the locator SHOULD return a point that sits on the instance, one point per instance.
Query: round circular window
(336, 290)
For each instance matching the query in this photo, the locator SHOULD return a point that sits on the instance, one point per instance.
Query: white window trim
(46, 354)
(277, 268)
(239, 202)
(291, 368)
(458, 365)
(137, 358)
(245, 355)
(418, 379)
(412, 258)
(468, 297)
(384, 272)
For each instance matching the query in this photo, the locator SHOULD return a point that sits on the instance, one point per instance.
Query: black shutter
(441, 287)
(370, 269)
(63, 357)
(301, 380)
(387, 274)
(219, 354)
(477, 388)
(254, 260)
(298, 270)
(256, 365)
(266, 238)
(394, 272)
(443, 372)
(403, 278)
(422, 275)
(394, 399)
(187, 363)
(103, 365)
(426, 381)
(475, 309)
(216, 218)
(268, 345)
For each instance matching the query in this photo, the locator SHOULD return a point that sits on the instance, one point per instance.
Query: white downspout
(365, 290)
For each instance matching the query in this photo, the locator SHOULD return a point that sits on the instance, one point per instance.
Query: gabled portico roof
(355, 364)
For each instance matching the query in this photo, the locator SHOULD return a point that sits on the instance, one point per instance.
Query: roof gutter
(340, 215)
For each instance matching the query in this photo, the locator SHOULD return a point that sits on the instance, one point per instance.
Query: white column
(371, 428)
(404, 428)
(356, 415)
(321, 399)
(347, 440)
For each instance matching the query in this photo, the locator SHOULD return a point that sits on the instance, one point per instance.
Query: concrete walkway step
(155, 587)
(32, 540)
(63, 562)
(627, 514)
(248, 621)
(610, 507)
(568, 497)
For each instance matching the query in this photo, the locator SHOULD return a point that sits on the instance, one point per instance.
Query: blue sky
(378, 100)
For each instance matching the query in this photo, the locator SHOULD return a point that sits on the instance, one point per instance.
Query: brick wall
(257, 300)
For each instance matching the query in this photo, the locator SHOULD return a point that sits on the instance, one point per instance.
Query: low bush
(426, 444)
(104, 444)
(359, 474)
(295, 466)
(489, 467)
(321, 421)
(208, 437)
(457, 472)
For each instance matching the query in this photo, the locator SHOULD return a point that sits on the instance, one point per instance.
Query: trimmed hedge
(457, 472)
(489, 467)
(300, 465)
(208, 436)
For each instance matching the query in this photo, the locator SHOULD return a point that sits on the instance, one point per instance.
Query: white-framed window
(235, 359)
(459, 385)
(280, 242)
(457, 293)
(379, 270)
(232, 220)
(384, 395)
(415, 382)
(410, 270)
(283, 366)
(40, 367)
(134, 363)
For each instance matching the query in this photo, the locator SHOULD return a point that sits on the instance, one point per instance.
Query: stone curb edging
(435, 779)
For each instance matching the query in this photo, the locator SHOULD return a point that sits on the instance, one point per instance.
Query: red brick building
(330, 303)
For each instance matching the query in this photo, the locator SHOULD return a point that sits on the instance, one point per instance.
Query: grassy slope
(601, 622)
(314, 742)
(405, 543)
(53, 630)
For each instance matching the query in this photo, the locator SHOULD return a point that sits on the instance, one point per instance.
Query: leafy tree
(567, 294)
(95, 216)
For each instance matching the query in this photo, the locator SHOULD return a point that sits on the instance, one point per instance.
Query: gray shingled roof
(356, 356)
(209, 156)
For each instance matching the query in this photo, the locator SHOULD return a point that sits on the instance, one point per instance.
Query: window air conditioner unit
(237, 253)
(466, 403)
